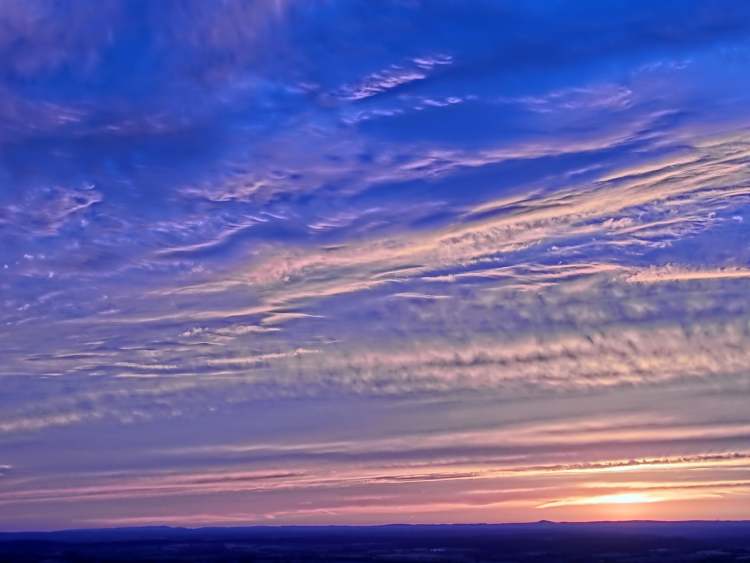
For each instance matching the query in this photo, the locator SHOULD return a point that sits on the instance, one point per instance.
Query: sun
(617, 498)
(625, 498)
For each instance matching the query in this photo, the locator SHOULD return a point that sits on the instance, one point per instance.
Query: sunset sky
(358, 261)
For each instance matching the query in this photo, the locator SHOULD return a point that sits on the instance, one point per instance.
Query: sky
(355, 262)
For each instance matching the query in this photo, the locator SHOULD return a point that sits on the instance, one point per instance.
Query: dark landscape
(620, 542)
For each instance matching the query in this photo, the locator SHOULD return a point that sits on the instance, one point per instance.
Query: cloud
(445, 248)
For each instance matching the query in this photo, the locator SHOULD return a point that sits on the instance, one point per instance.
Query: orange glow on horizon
(625, 498)
(617, 498)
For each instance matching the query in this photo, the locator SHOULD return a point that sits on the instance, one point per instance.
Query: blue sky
(362, 262)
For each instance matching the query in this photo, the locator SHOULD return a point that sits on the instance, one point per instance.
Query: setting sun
(619, 498)
(625, 498)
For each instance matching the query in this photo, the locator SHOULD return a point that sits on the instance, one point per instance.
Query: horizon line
(366, 526)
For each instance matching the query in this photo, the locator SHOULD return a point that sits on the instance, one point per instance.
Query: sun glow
(625, 498)
(618, 498)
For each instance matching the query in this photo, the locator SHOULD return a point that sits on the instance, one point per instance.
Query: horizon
(436, 543)
(351, 262)
(364, 526)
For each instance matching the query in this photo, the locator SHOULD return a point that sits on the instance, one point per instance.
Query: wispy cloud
(458, 261)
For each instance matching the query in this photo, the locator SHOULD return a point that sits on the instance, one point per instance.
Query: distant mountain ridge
(139, 533)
